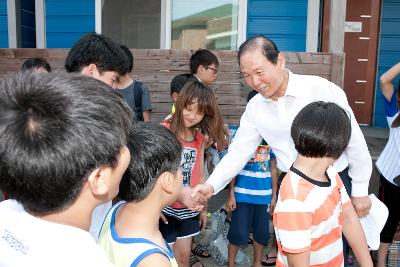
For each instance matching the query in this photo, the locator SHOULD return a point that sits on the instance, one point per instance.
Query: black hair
(202, 57)
(129, 55)
(154, 150)
(35, 63)
(97, 49)
(251, 94)
(54, 130)
(260, 42)
(179, 81)
(321, 129)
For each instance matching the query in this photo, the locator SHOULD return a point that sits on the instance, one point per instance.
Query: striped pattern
(307, 217)
(388, 162)
(124, 251)
(254, 182)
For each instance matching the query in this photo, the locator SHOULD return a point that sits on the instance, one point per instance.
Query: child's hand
(203, 219)
(162, 218)
(272, 205)
(230, 203)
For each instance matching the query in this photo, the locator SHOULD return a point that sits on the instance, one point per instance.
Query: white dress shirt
(272, 120)
(388, 162)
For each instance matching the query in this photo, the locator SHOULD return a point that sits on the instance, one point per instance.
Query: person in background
(99, 57)
(54, 167)
(313, 207)
(134, 92)
(37, 65)
(388, 162)
(204, 66)
(196, 109)
(251, 192)
(130, 234)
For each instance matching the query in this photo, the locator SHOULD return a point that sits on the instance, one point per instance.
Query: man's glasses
(208, 67)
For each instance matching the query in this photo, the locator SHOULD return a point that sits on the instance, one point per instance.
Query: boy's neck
(314, 168)
(124, 81)
(79, 216)
(140, 220)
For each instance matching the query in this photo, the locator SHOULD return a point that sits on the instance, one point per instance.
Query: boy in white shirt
(54, 168)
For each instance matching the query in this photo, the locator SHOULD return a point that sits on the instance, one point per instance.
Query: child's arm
(231, 201)
(354, 234)
(203, 213)
(299, 259)
(274, 175)
(386, 80)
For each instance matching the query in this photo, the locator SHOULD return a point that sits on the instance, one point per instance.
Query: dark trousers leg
(347, 184)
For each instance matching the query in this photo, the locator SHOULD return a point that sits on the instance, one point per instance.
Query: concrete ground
(376, 139)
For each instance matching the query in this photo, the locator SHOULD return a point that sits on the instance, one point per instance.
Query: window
(211, 24)
(134, 23)
(177, 24)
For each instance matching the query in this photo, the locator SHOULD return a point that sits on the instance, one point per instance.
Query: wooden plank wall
(156, 68)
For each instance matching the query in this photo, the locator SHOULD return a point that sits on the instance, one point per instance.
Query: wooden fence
(156, 68)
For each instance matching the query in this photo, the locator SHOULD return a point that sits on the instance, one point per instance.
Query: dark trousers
(347, 184)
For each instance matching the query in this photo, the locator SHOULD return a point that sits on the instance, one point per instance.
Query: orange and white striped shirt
(308, 217)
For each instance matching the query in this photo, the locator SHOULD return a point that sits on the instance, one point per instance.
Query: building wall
(67, 21)
(3, 24)
(28, 29)
(283, 21)
(388, 54)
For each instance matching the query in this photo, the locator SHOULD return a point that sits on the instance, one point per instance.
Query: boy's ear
(174, 96)
(281, 60)
(97, 182)
(166, 180)
(88, 70)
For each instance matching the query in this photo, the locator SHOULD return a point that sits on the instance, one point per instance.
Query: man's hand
(205, 190)
(193, 201)
(362, 205)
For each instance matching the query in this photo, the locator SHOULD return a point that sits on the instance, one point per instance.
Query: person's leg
(260, 223)
(182, 251)
(232, 252)
(346, 179)
(382, 254)
(390, 196)
(183, 245)
(238, 230)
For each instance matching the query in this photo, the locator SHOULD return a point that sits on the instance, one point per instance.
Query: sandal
(267, 261)
(194, 260)
(201, 251)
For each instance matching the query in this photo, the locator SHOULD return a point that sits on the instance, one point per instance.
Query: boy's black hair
(321, 129)
(179, 81)
(266, 45)
(34, 63)
(251, 94)
(202, 57)
(154, 150)
(129, 55)
(54, 130)
(97, 49)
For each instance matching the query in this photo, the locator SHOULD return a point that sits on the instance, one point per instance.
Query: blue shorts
(249, 216)
(178, 229)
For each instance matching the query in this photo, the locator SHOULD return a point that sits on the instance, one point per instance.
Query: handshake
(196, 198)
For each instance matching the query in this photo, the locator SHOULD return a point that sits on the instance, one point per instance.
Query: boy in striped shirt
(250, 194)
(313, 208)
